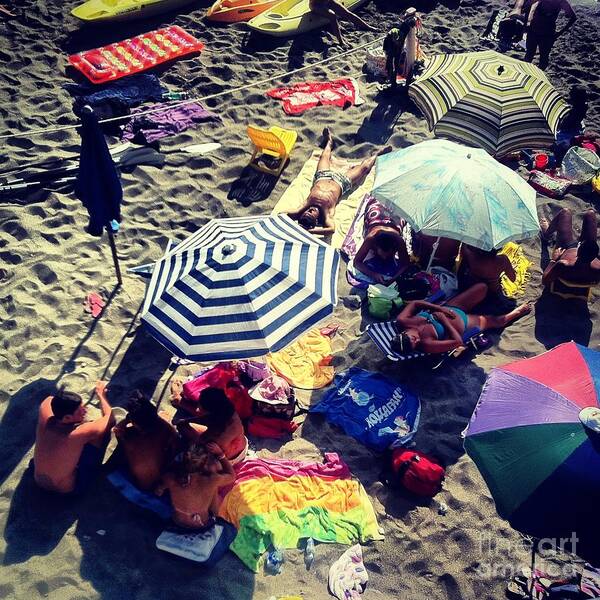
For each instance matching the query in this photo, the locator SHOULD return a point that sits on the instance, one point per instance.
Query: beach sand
(103, 547)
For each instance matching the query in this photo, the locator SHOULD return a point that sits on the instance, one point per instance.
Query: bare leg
(470, 298)
(345, 15)
(485, 322)
(562, 225)
(357, 174)
(176, 391)
(589, 227)
(325, 159)
(334, 27)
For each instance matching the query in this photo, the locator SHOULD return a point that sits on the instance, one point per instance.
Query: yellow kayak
(291, 17)
(236, 11)
(96, 11)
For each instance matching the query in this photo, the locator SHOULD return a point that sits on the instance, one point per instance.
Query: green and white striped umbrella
(489, 100)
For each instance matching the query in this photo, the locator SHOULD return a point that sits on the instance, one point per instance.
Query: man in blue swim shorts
(318, 211)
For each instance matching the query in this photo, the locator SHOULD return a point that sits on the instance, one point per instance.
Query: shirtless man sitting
(575, 260)
(484, 266)
(68, 450)
(318, 211)
(149, 442)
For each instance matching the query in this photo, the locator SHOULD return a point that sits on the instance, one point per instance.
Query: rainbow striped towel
(279, 502)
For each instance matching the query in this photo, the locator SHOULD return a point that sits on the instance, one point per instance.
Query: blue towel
(158, 505)
(372, 408)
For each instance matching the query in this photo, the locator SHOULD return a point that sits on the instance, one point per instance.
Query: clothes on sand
(116, 98)
(372, 408)
(173, 118)
(521, 264)
(347, 575)
(278, 503)
(299, 97)
(224, 376)
(305, 363)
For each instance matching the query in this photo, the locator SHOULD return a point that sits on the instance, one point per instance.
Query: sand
(103, 547)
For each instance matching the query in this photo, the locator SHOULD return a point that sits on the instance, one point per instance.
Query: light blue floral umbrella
(444, 189)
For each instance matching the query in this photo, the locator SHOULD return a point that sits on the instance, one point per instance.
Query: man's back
(546, 14)
(148, 452)
(57, 452)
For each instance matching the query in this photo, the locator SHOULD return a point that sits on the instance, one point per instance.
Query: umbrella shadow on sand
(559, 320)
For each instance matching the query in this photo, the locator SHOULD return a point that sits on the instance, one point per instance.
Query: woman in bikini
(383, 245)
(194, 483)
(216, 421)
(317, 214)
(435, 329)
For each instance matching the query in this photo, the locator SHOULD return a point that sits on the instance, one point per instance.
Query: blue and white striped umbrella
(240, 288)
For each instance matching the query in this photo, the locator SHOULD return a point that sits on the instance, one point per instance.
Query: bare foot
(520, 311)
(385, 150)
(327, 138)
(176, 391)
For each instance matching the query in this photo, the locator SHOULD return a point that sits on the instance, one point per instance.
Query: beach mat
(295, 195)
(160, 506)
(206, 547)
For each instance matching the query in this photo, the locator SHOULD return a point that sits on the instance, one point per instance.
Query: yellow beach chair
(569, 289)
(275, 142)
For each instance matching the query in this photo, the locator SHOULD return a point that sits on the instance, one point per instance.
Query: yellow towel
(298, 190)
(305, 363)
(521, 265)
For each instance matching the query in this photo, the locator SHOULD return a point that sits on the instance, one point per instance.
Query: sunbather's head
(309, 219)
(219, 410)
(406, 341)
(141, 411)
(386, 245)
(587, 251)
(67, 407)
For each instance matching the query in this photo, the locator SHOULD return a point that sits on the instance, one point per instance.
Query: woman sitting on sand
(218, 422)
(382, 256)
(148, 441)
(435, 329)
(193, 483)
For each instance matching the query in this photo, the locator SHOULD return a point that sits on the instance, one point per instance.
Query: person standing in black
(541, 26)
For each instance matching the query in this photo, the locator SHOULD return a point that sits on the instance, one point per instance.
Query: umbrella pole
(534, 547)
(113, 249)
(433, 251)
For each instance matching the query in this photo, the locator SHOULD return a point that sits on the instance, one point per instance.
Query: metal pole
(433, 251)
(113, 249)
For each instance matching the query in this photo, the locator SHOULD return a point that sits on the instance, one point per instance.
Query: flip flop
(94, 304)
(5, 11)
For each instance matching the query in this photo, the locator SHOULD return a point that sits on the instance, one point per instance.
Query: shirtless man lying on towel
(318, 211)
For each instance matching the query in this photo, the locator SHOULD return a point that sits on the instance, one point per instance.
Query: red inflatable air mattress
(136, 54)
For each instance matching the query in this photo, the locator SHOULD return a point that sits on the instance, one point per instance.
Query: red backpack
(417, 472)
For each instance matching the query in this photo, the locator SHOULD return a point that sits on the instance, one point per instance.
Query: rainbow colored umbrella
(535, 438)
